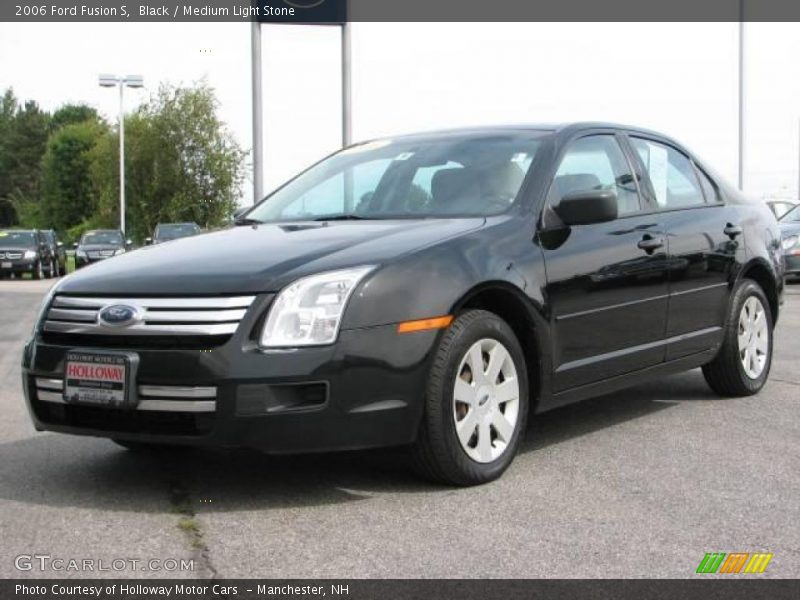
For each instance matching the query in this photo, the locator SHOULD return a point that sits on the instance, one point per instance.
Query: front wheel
(742, 366)
(476, 402)
(38, 272)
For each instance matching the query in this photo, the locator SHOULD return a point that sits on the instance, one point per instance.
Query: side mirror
(75, 246)
(148, 241)
(587, 207)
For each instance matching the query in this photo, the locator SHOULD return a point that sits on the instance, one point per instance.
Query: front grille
(95, 254)
(171, 317)
(136, 342)
(10, 255)
(166, 410)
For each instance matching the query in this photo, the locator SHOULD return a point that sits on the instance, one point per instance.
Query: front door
(606, 282)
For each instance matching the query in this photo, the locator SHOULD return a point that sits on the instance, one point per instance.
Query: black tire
(437, 454)
(38, 272)
(726, 374)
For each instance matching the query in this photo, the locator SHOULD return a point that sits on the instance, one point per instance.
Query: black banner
(702, 588)
(339, 11)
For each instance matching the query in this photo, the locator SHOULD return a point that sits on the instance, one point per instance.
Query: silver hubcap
(753, 337)
(486, 400)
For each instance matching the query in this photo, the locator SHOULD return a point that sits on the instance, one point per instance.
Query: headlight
(80, 253)
(120, 251)
(789, 242)
(309, 311)
(30, 254)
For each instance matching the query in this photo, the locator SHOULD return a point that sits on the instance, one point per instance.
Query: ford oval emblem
(118, 315)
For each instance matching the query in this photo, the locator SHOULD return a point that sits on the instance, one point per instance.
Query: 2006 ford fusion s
(431, 290)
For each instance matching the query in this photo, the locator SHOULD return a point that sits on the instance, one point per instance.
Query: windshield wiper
(344, 217)
(247, 221)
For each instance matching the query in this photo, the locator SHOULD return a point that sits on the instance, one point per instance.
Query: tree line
(60, 170)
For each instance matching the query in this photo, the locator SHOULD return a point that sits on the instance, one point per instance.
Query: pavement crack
(189, 524)
(787, 381)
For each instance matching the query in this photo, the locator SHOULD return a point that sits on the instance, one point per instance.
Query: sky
(678, 78)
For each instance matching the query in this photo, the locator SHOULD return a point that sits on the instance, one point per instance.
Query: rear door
(704, 241)
(606, 282)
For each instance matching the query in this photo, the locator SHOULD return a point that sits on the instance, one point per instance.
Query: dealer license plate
(102, 379)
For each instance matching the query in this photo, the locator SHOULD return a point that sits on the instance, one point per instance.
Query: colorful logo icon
(735, 562)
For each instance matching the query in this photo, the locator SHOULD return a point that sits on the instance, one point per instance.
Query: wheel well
(509, 307)
(762, 276)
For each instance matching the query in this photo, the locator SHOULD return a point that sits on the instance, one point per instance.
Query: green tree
(68, 197)
(73, 113)
(23, 138)
(181, 163)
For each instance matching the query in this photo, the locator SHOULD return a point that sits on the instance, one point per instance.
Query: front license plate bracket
(101, 378)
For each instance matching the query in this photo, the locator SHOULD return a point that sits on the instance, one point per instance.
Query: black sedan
(166, 232)
(790, 229)
(100, 244)
(431, 291)
(26, 251)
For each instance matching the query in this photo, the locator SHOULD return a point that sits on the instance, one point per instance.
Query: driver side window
(596, 163)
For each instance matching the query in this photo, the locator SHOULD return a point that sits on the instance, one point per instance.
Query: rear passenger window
(596, 163)
(709, 189)
(671, 173)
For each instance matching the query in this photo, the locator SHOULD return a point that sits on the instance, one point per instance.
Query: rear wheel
(742, 366)
(476, 402)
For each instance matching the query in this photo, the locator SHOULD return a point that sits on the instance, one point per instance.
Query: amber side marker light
(424, 324)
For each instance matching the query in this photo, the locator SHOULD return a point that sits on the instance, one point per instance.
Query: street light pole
(133, 81)
(121, 161)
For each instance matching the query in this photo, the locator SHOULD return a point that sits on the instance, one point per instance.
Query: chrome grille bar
(157, 316)
(165, 398)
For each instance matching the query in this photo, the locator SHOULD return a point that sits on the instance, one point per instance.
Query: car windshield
(476, 175)
(102, 237)
(793, 216)
(23, 239)
(173, 231)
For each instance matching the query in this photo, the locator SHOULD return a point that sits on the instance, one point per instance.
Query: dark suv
(432, 291)
(100, 244)
(26, 251)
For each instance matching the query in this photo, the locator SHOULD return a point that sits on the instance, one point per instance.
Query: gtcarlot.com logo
(734, 563)
(46, 562)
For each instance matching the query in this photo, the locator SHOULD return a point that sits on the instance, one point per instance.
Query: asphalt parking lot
(639, 483)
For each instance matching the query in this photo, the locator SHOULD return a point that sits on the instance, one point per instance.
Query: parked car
(165, 232)
(98, 245)
(26, 251)
(57, 251)
(790, 230)
(780, 207)
(430, 290)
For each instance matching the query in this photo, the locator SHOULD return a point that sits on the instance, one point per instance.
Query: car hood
(16, 248)
(98, 247)
(261, 258)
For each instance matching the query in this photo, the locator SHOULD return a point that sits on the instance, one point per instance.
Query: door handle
(732, 230)
(649, 243)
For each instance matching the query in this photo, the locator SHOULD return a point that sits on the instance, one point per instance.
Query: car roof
(561, 129)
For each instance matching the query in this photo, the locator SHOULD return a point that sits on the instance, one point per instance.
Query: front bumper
(82, 261)
(792, 265)
(364, 391)
(22, 265)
